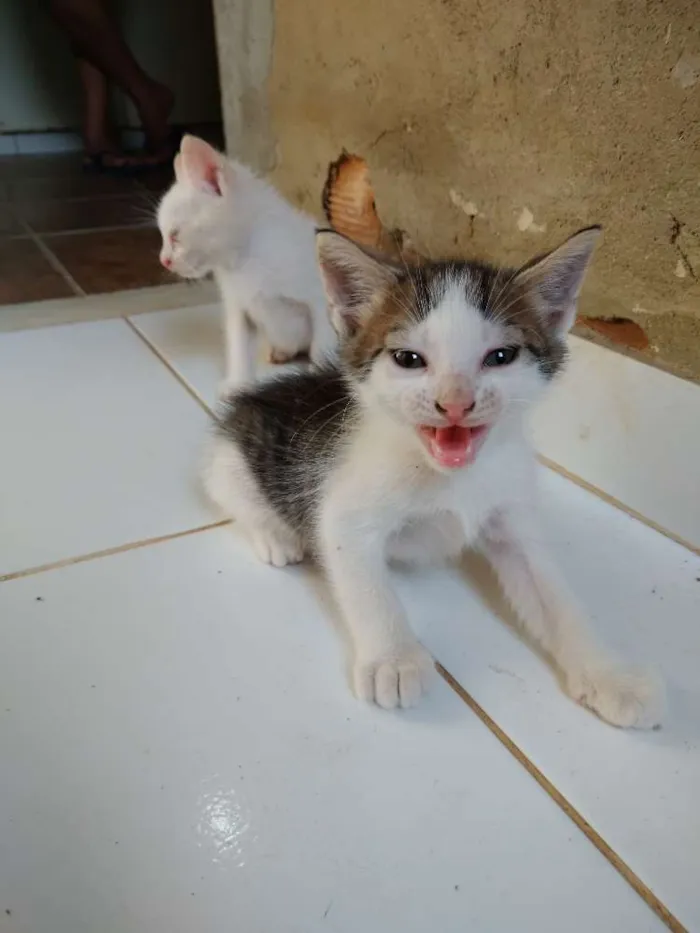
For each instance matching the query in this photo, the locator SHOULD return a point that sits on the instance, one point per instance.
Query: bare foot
(101, 151)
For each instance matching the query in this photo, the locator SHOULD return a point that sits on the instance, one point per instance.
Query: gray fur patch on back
(289, 430)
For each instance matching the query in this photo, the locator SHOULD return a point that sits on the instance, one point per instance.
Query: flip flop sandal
(98, 162)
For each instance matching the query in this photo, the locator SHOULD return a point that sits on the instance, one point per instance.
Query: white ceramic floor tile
(191, 340)
(629, 429)
(639, 790)
(180, 753)
(99, 442)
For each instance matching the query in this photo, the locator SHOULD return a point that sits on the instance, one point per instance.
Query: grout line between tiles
(168, 365)
(114, 228)
(647, 895)
(110, 551)
(616, 503)
(53, 260)
(58, 198)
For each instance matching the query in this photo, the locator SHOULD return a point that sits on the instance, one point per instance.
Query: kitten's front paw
(278, 550)
(625, 697)
(396, 679)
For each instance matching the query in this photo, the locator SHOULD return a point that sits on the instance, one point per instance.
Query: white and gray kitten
(218, 217)
(414, 446)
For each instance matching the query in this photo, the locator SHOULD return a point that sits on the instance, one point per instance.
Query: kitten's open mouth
(453, 446)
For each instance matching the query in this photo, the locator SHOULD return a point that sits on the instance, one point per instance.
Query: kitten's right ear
(351, 278)
(177, 167)
(202, 166)
(555, 280)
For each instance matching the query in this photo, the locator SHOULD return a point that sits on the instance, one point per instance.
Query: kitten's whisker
(492, 309)
(314, 414)
(499, 314)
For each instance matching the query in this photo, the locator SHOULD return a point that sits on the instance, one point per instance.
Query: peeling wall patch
(680, 269)
(468, 207)
(526, 221)
(686, 71)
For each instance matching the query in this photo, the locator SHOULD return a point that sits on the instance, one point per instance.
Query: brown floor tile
(82, 185)
(158, 180)
(108, 261)
(9, 224)
(40, 166)
(84, 214)
(26, 275)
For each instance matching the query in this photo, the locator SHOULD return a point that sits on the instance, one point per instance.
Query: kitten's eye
(408, 359)
(174, 237)
(502, 356)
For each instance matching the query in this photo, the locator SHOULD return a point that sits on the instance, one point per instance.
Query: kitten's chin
(192, 275)
(453, 447)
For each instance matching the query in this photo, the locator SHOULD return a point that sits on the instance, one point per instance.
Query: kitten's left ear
(555, 280)
(202, 166)
(352, 277)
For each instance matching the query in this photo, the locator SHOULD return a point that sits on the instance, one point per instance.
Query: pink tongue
(450, 446)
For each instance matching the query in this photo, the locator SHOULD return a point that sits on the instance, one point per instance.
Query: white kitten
(414, 446)
(218, 217)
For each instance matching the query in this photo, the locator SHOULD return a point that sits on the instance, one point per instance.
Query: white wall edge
(77, 309)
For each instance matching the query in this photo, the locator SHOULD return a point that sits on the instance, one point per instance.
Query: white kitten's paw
(279, 357)
(278, 550)
(625, 697)
(397, 679)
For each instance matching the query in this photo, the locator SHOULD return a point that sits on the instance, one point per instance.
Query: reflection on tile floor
(83, 214)
(111, 260)
(181, 751)
(27, 275)
(77, 217)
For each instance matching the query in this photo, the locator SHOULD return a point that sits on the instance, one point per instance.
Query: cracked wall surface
(497, 129)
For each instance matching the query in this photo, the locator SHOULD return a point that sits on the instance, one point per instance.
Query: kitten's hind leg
(620, 695)
(230, 484)
(287, 326)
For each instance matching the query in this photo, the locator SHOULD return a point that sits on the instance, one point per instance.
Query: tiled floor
(180, 748)
(78, 233)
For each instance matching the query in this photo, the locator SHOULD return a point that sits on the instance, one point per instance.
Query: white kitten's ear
(202, 166)
(555, 280)
(351, 278)
(177, 167)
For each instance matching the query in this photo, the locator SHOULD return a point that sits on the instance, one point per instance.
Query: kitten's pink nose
(455, 411)
(166, 261)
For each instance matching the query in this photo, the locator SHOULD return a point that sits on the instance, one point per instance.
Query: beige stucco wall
(534, 116)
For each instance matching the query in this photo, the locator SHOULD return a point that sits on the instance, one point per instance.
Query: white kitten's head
(452, 349)
(195, 217)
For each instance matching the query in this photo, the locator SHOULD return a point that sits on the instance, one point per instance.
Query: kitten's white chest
(388, 482)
